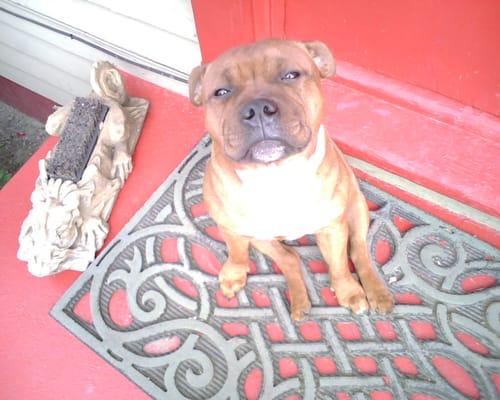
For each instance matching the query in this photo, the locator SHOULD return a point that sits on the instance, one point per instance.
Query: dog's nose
(259, 109)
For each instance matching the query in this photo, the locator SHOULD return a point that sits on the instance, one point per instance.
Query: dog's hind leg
(289, 262)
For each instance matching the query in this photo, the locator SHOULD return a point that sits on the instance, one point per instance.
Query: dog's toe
(358, 304)
(381, 300)
(352, 297)
(232, 279)
(298, 310)
(230, 288)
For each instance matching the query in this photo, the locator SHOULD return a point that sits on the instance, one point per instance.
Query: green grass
(4, 177)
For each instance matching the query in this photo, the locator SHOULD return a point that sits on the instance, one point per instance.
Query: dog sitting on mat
(275, 174)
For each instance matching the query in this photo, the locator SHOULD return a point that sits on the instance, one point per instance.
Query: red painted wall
(450, 46)
(222, 24)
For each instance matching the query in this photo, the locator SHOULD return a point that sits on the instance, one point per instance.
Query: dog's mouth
(267, 151)
(266, 146)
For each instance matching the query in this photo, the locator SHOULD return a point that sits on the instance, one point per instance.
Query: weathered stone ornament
(80, 180)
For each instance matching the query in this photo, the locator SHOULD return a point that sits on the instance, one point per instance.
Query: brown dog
(274, 173)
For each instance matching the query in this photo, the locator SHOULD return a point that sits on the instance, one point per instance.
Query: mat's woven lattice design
(150, 305)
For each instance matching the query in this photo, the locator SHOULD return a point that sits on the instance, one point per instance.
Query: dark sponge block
(78, 139)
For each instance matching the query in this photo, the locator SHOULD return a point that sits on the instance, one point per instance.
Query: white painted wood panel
(57, 66)
(167, 47)
(175, 16)
(51, 74)
(35, 84)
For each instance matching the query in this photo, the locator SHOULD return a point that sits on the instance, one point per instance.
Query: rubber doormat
(150, 305)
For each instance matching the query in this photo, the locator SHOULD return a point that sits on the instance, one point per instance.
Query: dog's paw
(380, 299)
(232, 278)
(299, 308)
(352, 296)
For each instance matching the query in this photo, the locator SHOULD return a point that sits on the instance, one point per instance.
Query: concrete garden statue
(80, 179)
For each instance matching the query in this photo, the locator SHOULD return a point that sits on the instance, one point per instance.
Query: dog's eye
(221, 92)
(290, 75)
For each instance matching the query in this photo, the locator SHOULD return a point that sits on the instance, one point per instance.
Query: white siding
(174, 16)
(57, 66)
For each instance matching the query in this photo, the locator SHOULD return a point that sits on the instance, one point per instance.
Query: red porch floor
(41, 360)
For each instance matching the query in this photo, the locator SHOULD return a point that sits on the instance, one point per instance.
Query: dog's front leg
(233, 275)
(332, 243)
(379, 297)
(289, 262)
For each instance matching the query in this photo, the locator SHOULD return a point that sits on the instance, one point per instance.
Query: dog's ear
(322, 57)
(195, 84)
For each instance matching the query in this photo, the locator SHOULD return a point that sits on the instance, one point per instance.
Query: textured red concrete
(443, 157)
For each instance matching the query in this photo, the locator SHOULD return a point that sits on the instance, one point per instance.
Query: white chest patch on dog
(292, 202)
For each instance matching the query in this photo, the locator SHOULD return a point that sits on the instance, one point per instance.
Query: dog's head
(263, 101)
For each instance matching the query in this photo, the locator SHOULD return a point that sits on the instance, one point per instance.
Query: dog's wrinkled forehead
(259, 62)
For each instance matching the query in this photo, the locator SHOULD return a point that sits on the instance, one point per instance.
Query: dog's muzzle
(261, 117)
